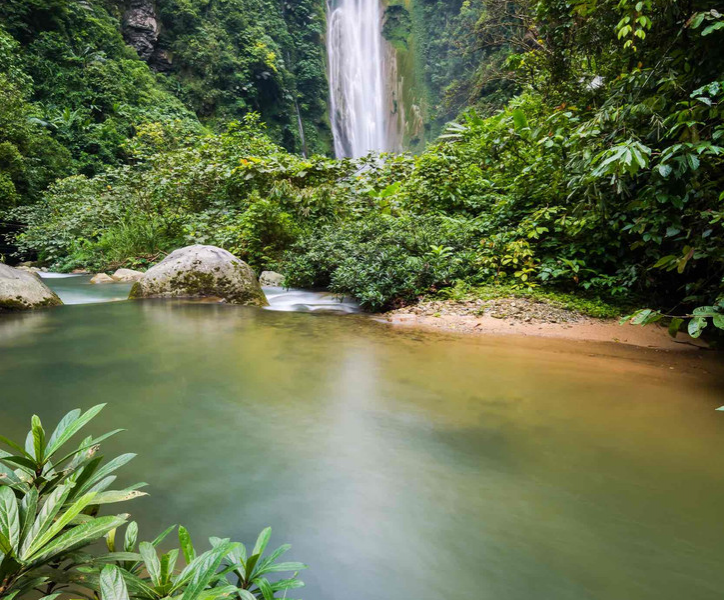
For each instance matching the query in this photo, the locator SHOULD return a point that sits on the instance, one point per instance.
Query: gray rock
(20, 290)
(140, 27)
(200, 272)
(126, 275)
(101, 278)
(271, 278)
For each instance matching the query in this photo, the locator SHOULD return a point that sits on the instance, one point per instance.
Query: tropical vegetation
(583, 154)
(52, 494)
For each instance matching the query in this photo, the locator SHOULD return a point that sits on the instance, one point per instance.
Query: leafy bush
(382, 259)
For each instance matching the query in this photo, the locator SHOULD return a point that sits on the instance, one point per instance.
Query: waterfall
(359, 103)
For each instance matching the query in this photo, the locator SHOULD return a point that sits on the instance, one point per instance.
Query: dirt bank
(521, 316)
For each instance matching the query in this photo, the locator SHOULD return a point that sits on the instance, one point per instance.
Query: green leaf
(112, 584)
(76, 537)
(58, 526)
(247, 595)
(150, 559)
(519, 119)
(262, 541)
(162, 536)
(72, 428)
(63, 425)
(117, 496)
(713, 27)
(265, 588)
(674, 326)
(9, 521)
(696, 326)
(131, 537)
(204, 570)
(14, 446)
(718, 321)
(187, 546)
(38, 439)
(28, 506)
(53, 503)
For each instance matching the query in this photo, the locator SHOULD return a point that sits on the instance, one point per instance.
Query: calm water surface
(398, 464)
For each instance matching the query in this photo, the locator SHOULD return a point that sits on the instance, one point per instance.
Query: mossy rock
(198, 272)
(21, 290)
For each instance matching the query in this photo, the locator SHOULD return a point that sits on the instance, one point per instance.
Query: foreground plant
(147, 575)
(49, 504)
(49, 507)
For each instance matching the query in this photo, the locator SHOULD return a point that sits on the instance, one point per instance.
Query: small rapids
(77, 289)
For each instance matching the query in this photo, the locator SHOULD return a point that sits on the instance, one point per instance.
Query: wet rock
(198, 272)
(126, 275)
(21, 290)
(272, 279)
(102, 278)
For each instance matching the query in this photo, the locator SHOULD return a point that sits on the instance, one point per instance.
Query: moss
(18, 303)
(198, 284)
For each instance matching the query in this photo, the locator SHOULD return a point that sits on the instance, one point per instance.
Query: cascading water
(360, 112)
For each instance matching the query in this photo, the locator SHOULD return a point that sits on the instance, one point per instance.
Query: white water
(77, 289)
(359, 108)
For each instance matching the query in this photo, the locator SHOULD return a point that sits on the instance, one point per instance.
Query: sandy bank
(516, 316)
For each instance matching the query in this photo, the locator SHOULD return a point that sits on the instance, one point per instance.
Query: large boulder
(271, 279)
(127, 275)
(201, 271)
(102, 278)
(20, 290)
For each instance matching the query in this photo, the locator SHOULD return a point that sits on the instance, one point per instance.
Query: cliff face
(141, 29)
(406, 76)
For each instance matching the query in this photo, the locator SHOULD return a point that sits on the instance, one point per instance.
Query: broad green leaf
(107, 469)
(225, 591)
(28, 507)
(262, 541)
(58, 525)
(73, 428)
(203, 571)
(131, 537)
(674, 326)
(63, 425)
(280, 567)
(519, 119)
(168, 564)
(187, 546)
(76, 537)
(718, 321)
(38, 439)
(247, 595)
(150, 559)
(696, 326)
(112, 584)
(265, 588)
(9, 521)
(50, 508)
(117, 496)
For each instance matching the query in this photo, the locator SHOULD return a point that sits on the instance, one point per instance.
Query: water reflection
(398, 464)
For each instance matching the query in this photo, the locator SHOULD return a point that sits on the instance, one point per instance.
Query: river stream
(399, 464)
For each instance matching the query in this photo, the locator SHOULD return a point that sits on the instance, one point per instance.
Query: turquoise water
(398, 464)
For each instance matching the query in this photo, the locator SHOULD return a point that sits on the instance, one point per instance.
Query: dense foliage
(602, 176)
(50, 502)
